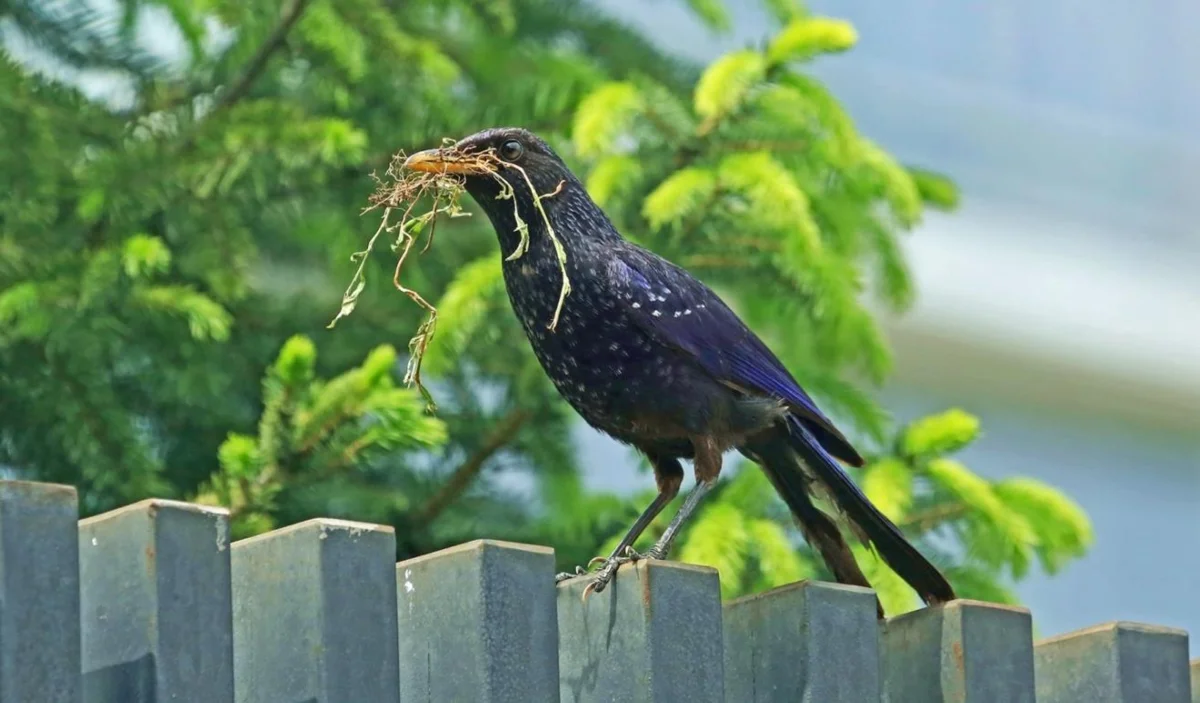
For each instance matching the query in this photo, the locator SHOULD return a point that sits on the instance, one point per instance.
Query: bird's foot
(627, 556)
(608, 568)
(610, 565)
(604, 575)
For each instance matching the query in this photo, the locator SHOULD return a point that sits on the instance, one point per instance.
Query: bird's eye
(511, 150)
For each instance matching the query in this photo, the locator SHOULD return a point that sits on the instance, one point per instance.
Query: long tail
(784, 462)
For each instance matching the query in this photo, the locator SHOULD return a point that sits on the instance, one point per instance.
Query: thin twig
(258, 63)
(927, 519)
(501, 435)
(774, 145)
(420, 341)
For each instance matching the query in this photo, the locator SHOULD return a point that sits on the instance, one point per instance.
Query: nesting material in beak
(447, 161)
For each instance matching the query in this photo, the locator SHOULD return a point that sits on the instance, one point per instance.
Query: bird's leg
(669, 475)
(663, 546)
(707, 466)
(624, 553)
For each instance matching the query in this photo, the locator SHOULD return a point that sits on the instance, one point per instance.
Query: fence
(152, 603)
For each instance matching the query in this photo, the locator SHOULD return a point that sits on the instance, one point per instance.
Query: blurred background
(187, 186)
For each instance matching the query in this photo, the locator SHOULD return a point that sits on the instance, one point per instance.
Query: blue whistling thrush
(651, 356)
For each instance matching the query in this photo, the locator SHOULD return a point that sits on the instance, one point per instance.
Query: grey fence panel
(1118, 662)
(653, 635)
(167, 610)
(156, 607)
(478, 623)
(39, 593)
(314, 614)
(806, 641)
(962, 652)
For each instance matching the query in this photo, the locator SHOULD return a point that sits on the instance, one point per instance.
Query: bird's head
(502, 169)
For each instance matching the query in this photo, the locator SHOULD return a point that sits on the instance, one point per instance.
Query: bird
(648, 354)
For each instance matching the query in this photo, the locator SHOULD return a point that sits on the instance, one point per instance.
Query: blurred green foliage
(312, 429)
(177, 230)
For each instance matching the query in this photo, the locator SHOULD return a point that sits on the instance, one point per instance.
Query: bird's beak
(439, 161)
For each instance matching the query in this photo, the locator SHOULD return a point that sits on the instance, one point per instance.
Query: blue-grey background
(1062, 303)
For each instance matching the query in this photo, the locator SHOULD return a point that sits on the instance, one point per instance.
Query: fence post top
(1116, 626)
(323, 526)
(153, 505)
(804, 585)
(959, 605)
(58, 491)
(478, 546)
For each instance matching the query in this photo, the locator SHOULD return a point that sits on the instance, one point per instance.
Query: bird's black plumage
(650, 355)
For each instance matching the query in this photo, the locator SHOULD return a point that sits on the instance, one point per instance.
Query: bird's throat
(525, 227)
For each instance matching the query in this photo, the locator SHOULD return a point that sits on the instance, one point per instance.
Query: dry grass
(400, 191)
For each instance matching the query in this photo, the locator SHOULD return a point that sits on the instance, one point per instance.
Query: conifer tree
(178, 226)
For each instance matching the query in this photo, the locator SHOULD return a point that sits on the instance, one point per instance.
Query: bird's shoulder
(678, 310)
(648, 277)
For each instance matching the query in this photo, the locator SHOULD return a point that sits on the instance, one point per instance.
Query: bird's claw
(627, 555)
(603, 576)
(632, 555)
(610, 565)
(559, 578)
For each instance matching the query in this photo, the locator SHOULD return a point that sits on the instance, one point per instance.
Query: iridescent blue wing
(678, 311)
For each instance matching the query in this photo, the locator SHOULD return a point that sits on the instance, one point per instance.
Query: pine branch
(504, 433)
(93, 421)
(241, 87)
(275, 40)
(772, 145)
(925, 520)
